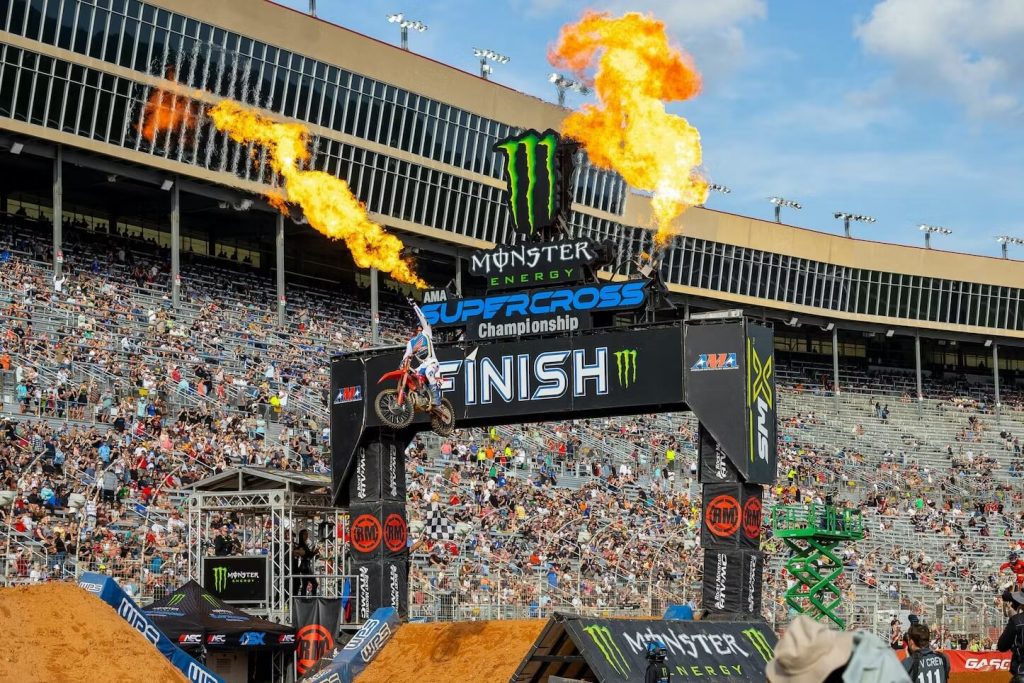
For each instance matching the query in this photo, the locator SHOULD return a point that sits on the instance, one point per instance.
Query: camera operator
(657, 670)
(303, 554)
(1012, 639)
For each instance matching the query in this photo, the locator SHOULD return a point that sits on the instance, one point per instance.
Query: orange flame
(166, 111)
(629, 130)
(327, 202)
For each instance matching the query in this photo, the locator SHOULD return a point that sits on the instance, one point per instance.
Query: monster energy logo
(625, 363)
(529, 195)
(757, 639)
(175, 599)
(602, 637)
(209, 598)
(220, 579)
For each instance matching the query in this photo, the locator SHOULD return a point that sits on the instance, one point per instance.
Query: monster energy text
(531, 178)
(625, 364)
(602, 637)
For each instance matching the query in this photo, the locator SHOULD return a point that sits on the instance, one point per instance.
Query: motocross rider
(421, 347)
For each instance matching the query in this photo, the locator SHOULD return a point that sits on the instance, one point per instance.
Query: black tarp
(613, 650)
(194, 618)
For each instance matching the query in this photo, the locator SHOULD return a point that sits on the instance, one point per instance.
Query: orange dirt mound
(59, 632)
(469, 651)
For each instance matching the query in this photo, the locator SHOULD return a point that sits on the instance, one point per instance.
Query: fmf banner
(615, 649)
(316, 622)
(358, 652)
(236, 579)
(730, 385)
(107, 590)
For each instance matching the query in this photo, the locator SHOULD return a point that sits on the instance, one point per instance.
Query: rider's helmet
(1013, 557)
(656, 650)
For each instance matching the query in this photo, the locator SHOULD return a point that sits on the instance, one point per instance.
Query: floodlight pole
(995, 375)
(917, 366)
(835, 361)
(927, 240)
(58, 211)
(175, 245)
(374, 308)
(282, 313)
(483, 68)
(405, 37)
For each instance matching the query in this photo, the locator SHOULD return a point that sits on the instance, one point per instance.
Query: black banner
(381, 584)
(618, 372)
(715, 466)
(366, 531)
(379, 472)
(236, 579)
(395, 528)
(715, 385)
(615, 649)
(731, 516)
(535, 264)
(762, 416)
(316, 621)
(732, 583)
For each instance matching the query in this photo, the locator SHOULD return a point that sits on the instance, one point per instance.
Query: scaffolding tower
(812, 533)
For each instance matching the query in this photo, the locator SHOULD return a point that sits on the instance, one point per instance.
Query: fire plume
(166, 111)
(629, 131)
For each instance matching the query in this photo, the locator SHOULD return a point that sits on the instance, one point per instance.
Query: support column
(175, 245)
(835, 361)
(281, 300)
(917, 365)
(374, 308)
(995, 375)
(58, 212)
(458, 275)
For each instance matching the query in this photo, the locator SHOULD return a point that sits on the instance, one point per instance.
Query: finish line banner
(615, 649)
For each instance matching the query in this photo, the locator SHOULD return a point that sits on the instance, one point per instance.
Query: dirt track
(469, 651)
(58, 632)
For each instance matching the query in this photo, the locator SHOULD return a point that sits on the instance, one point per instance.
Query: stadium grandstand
(163, 322)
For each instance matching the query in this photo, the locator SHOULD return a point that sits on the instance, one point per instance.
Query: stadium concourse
(113, 403)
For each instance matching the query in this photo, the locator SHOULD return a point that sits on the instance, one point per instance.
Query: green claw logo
(625, 363)
(210, 599)
(220, 579)
(540, 178)
(757, 639)
(602, 637)
(175, 599)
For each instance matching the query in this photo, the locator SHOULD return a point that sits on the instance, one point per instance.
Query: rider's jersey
(421, 346)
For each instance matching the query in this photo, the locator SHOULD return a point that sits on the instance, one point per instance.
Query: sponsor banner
(534, 264)
(732, 582)
(378, 472)
(715, 466)
(107, 590)
(532, 170)
(619, 372)
(358, 652)
(366, 532)
(236, 579)
(713, 651)
(731, 516)
(967, 662)
(536, 305)
(316, 621)
(761, 408)
(395, 531)
(541, 324)
(715, 378)
(353, 394)
(382, 584)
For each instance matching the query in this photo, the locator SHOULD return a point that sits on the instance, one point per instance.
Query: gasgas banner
(708, 651)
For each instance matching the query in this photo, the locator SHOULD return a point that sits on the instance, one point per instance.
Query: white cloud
(968, 50)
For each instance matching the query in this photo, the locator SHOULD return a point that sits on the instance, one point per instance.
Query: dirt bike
(397, 407)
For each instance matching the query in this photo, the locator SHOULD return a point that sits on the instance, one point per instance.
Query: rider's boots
(436, 392)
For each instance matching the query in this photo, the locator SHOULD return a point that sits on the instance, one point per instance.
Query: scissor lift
(812, 533)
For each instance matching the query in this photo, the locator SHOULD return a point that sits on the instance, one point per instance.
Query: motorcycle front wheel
(392, 413)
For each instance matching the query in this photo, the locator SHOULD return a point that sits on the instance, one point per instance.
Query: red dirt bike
(397, 407)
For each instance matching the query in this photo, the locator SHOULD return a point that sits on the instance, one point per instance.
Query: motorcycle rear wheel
(442, 418)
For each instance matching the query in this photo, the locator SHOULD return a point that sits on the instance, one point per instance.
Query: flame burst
(629, 130)
(166, 111)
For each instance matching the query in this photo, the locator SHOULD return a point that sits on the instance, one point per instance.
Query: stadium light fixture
(17, 147)
(794, 321)
(779, 202)
(406, 24)
(847, 217)
(1006, 240)
(564, 83)
(722, 189)
(889, 333)
(830, 327)
(312, 8)
(166, 185)
(930, 230)
(488, 55)
(988, 343)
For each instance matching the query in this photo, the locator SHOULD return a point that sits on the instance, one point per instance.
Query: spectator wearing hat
(1012, 638)
(811, 652)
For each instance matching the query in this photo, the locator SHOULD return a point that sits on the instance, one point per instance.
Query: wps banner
(316, 622)
(360, 650)
(615, 649)
(730, 386)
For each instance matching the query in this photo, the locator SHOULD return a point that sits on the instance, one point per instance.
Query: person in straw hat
(810, 652)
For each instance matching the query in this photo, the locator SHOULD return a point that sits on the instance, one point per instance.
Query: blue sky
(911, 111)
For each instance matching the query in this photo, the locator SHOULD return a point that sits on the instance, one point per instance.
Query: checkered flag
(438, 526)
